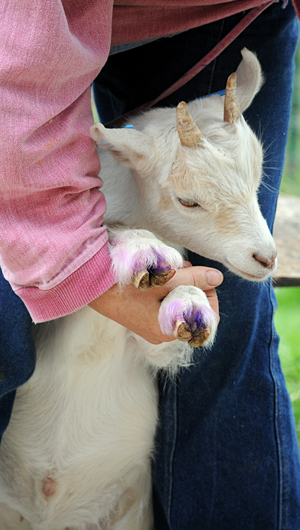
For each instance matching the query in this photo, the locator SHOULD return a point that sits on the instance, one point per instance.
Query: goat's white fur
(77, 451)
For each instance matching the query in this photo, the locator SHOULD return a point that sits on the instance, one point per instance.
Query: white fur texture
(77, 451)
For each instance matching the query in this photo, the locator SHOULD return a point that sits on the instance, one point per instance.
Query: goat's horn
(231, 102)
(189, 134)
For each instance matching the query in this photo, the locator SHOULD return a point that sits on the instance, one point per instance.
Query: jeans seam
(172, 452)
(279, 433)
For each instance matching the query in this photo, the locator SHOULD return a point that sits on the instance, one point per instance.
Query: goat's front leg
(185, 313)
(140, 258)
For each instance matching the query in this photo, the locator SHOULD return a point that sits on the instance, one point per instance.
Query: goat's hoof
(154, 277)
(160, 278)
(141, 280)
(198, 321)
(141, 259)
(186, 314)
(199, 338)
(195, 337)
(182, 331)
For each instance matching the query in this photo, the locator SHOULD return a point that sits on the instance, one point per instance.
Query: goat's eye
(189, 203)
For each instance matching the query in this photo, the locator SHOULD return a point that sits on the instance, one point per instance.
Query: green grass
(291, 175)
(287, 318)
(287, 321)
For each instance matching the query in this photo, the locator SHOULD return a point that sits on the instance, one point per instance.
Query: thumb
(204, 278)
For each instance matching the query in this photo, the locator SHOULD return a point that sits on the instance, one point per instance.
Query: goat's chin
(261, 276)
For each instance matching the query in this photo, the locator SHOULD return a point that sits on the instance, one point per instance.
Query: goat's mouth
(263, 275)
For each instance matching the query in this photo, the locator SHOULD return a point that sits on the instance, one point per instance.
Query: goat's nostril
(267, 263)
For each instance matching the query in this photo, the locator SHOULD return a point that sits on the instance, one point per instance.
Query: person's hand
(138, 310)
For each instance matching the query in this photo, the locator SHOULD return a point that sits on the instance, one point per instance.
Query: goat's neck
(121, 193)
(124, 197)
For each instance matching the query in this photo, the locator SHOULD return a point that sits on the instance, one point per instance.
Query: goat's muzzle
(268, 263)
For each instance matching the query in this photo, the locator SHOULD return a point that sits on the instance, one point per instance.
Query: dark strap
(228, 39)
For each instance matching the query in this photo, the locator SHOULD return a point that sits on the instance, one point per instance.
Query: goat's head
(198, 174)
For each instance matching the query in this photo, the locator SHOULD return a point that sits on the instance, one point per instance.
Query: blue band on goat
(219, 93)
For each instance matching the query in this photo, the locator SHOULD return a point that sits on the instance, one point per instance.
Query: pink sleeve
(53, 247)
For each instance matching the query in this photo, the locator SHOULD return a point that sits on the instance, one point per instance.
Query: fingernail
(214, 277)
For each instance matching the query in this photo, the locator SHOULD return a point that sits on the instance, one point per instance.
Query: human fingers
(138, 310)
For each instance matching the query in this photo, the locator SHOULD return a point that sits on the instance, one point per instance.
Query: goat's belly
(74, 448)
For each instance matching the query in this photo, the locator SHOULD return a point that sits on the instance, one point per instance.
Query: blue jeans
(17, 351)
(226, 450)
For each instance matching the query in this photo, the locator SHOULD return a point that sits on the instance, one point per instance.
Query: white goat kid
(77, 451)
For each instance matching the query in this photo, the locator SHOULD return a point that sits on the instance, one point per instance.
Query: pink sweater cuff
(79, 289)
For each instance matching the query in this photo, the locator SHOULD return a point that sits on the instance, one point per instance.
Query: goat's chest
(92, 416)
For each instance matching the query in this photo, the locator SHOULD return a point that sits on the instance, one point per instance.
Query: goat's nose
(268, 263)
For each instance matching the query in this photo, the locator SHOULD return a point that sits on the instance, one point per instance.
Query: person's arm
(53, 247)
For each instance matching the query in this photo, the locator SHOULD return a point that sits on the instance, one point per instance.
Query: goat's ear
(249, 79)
(129, 146)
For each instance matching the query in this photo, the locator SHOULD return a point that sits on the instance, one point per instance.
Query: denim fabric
(17, 352)
(226, 453)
